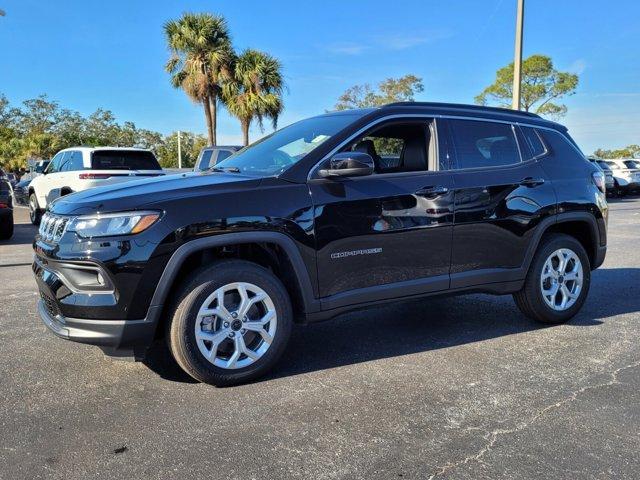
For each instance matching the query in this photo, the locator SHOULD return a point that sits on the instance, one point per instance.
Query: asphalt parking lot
(448, 388)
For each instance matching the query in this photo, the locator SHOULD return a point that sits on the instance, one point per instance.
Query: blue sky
(90, 54)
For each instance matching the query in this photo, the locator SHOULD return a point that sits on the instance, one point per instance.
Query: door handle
(531, 182)
(432, 191)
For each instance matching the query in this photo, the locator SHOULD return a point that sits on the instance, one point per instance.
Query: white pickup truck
(80, 168)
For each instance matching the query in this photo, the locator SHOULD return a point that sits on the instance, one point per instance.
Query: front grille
(50, 305)
(52, 227)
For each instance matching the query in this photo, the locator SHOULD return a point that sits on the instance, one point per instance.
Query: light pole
(517, 62)
(179, 151)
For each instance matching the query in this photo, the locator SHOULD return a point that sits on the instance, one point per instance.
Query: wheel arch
(583, 226)
(297, 283)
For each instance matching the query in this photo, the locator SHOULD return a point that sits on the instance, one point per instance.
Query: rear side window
(72, 162)
(124, 160)
(533, 142)
(483, 144)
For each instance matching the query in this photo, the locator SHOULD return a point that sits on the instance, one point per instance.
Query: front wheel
(35, 213)
(557, 282)
(231, 323)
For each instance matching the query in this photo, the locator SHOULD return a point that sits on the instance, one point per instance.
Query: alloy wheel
(235, 325)
(561, 280)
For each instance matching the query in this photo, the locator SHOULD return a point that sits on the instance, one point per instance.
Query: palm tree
(255, 90)
(201, 59)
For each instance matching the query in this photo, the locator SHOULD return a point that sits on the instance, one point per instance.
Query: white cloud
(347, 48)
(402, 41)
(578, 66)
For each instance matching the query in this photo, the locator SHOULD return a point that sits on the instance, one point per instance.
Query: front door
(387, 234)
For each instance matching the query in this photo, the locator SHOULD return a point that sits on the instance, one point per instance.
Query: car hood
(148, 192)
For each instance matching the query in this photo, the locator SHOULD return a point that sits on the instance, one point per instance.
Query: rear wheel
(231, 323)
(35, 214)
(557, 282)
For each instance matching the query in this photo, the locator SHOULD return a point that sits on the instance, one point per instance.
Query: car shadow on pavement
(403, 328)
(23, 234)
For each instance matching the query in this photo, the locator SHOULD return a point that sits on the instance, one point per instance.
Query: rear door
(499, 199)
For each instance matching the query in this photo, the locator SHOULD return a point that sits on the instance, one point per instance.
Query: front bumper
(122, 338)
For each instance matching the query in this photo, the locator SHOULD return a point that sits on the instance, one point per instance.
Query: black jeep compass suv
(326, 215)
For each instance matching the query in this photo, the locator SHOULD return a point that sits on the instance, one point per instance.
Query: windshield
(604, 165)
(275, 153)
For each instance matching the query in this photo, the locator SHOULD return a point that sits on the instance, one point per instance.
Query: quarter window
(531, 137)
(483, 144)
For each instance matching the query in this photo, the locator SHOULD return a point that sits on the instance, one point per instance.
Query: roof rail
(462, 106)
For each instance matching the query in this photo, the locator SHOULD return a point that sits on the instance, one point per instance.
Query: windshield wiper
(225, 169)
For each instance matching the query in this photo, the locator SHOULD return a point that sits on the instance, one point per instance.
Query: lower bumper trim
(115, 335)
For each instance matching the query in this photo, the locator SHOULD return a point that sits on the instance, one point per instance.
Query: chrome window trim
(313, 170)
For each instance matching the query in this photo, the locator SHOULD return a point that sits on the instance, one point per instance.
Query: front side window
(223, 154)
(396, 147)
(204, 161)
(483, 144)
(277, 152)
(56, 161)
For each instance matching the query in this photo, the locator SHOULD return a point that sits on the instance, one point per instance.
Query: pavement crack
(493, 436)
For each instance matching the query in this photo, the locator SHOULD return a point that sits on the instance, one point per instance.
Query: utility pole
(179, 151)
(517, 62)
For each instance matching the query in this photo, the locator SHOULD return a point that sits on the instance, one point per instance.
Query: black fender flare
(310, 303)
(559, 218)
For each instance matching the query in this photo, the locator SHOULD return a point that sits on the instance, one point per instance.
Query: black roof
(463, 106)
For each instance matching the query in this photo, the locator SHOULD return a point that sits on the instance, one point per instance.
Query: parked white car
(626, 175)
(80, 168)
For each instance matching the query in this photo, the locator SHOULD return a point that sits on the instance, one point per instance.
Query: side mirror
(348, 164)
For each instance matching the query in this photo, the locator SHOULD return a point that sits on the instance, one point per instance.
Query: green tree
(630, 151)
(190, 146)
(391, 90)
(254, 92)
(541, 86)
(201, 56)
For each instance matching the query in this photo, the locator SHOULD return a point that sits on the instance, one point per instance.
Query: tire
(35, 214)
(530, 299)
(6, 227)
(200, 292)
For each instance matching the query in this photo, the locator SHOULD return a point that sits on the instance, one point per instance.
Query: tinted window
(560, 146)
(483, 144)
(533, 142)
(631, 164)
(124, 160)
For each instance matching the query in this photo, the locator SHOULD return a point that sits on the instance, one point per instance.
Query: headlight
(124, 223)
